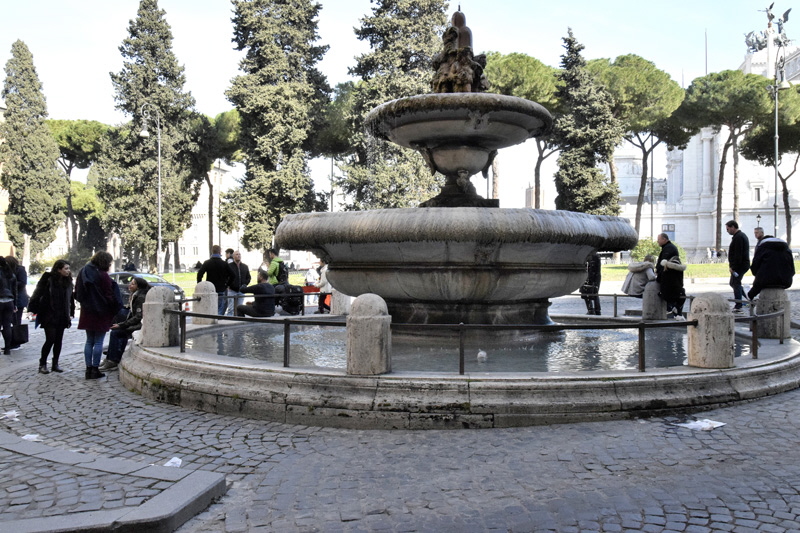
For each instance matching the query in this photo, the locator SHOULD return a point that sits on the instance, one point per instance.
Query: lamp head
(784, 85)
(144, 133)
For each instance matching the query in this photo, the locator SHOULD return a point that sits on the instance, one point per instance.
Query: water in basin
(566, 351)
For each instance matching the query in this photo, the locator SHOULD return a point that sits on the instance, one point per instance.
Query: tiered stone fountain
(458, 258)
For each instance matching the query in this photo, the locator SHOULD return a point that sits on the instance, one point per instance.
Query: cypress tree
(404, 35)
(587, 134)
(151, 82)
(280, 98)
(36, 186)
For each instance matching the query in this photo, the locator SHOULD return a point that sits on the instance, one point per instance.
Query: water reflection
(567, 351)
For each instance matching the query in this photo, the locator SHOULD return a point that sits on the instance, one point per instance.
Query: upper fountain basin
(459, 129)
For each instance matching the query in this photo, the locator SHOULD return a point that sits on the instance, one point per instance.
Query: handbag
(20, 333)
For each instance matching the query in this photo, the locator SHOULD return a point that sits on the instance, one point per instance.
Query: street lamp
(758, 220)
(146, 110)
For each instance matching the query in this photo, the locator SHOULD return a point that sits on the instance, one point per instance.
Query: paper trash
(11, 415)
(173, 462)
(34, 438)
(702, 425)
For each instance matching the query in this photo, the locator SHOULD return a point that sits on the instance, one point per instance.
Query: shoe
(103, 364)
(738, 311)
(93, 373)
(16, 347)
(56, 368)
(680, 318)
(43, 369)
(110, 366)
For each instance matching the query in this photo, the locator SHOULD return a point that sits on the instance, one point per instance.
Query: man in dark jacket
(773, 266)
(670, 282)
(217, 272)
(738, 260)
(240, 280)
(262, 307)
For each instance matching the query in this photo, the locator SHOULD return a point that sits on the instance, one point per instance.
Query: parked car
(124, 278)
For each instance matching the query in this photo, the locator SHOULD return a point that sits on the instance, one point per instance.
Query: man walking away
(217, 272)
(773, 266)
(738, 260)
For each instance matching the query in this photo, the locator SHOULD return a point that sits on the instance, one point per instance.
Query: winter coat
(94, 290)
(22, 287)
(133, 322)
(323, 284)
(264, 306)
(668, 251)
(773, 266)
(672, 279)
(272, 271)
(8, 287)
(240, 276)
(217, 272)
(639, 275)
(739, 253)
(55, 302)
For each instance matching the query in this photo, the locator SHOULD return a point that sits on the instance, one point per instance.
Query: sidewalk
(91, 469)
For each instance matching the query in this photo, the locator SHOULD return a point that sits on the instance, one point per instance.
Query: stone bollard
(340, 303)
(158, 328)
(369, 337)
(653, 307)
(711, 341)
(769, 301)
(207, 305)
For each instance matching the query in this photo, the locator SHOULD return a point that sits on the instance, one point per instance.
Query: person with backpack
(54, 305)
(100, 302)
(278, 271)
(8, 298)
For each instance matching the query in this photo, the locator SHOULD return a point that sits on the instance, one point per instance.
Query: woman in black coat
(54, 305)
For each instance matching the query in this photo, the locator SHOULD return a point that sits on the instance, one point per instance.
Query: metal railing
(641, 327)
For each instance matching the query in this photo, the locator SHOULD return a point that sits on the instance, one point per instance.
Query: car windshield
(150, 278)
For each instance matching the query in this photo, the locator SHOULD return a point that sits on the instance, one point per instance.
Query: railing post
(754, 338)
(286, 340)
(182, 322)
(641, 346)
(615, 305)
(461, 334)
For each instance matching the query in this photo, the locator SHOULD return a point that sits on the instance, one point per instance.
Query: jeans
(117, 341)
(222, 303)
(232, 303)
(738, 292)
(93, 349)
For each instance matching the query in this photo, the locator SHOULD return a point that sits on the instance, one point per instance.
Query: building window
(183, 250)
(757, 194)
(195, 251)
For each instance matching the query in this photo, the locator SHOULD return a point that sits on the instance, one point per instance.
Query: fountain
(458, 257)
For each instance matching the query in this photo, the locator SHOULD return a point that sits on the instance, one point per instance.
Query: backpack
(283, 273)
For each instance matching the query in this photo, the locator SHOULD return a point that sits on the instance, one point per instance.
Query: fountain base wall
(446, 401)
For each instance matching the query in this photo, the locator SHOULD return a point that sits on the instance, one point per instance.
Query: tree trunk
(642, 187)
(612, 168)
(495, 178)
(537, 174)
(722, 161)
(210, 212)
(735, 146)
(176, 254)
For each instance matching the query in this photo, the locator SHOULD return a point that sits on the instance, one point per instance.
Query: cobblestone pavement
(632, 475)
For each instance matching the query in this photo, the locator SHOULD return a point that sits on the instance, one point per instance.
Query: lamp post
(146, 111)
(780, 83)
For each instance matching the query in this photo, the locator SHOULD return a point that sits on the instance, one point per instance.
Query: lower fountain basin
(463, 264)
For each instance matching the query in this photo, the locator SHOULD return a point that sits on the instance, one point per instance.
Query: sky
(75, 44)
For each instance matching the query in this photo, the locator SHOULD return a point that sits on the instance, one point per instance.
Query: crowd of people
(772, 267)
(231, 279)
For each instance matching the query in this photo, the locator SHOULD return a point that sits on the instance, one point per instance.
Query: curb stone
(189, 493)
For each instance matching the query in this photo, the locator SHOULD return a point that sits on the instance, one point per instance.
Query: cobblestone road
(639, 475)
